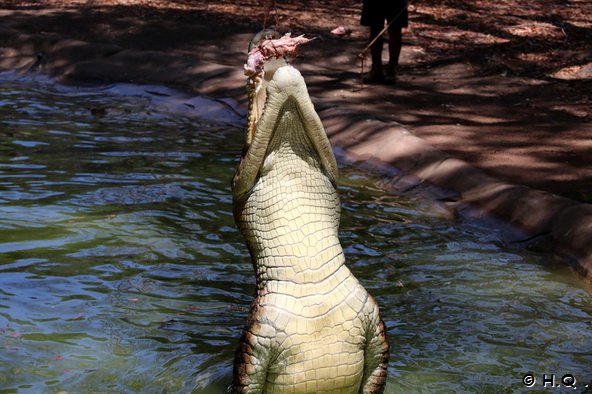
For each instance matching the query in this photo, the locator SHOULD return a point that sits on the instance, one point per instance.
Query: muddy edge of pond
(557, 224)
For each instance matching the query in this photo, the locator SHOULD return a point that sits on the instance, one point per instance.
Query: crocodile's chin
(287, 108)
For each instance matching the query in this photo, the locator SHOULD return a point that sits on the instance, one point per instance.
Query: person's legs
(376, 48)
(373, 16)
(397, 14)
(395, 43)
(375, 75)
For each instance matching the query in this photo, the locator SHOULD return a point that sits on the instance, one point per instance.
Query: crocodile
(312, 327)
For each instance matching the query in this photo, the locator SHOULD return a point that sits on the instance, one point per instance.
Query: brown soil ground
(504, 85)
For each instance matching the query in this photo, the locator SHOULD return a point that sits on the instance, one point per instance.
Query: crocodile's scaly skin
(312, 327)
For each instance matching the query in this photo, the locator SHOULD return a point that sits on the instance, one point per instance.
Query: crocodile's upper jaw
(269, 97)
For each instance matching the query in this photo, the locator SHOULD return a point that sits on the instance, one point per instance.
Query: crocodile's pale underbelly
(317, 341)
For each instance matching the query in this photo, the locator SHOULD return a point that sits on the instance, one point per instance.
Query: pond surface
(121, 269)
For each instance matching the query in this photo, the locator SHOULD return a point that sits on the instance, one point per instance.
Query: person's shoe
(374, 76)
(390, 73)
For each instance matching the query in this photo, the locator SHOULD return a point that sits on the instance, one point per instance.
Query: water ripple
(121, 267)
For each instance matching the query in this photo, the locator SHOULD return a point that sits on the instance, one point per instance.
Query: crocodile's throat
(291, 216)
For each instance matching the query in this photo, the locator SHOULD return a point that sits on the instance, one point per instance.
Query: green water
(121, 269)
